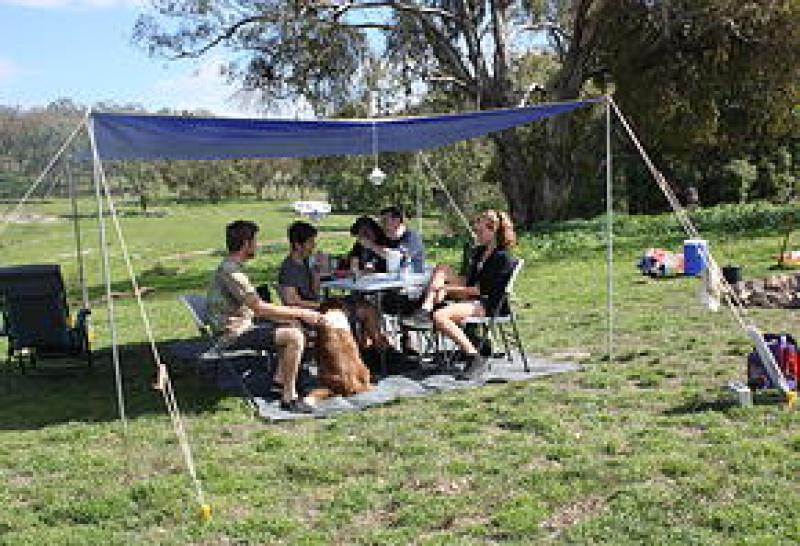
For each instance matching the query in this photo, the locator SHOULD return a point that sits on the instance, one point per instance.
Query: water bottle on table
(403, 271)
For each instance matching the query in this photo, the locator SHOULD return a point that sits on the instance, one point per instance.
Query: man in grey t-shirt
(298, 286)
(298, 283)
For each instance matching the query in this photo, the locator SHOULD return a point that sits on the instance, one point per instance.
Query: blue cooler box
(694, 256)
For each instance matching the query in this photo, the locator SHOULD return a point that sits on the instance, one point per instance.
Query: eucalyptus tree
(467, 49)
(710, 83)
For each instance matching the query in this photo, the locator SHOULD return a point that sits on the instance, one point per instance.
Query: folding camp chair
(197, 306)
(36, 318)
(489, 327)
(502, 316)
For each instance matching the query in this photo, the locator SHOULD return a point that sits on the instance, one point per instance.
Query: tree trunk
(515, 180)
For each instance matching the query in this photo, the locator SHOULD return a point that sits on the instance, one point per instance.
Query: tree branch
(229, 32)
(341, 9)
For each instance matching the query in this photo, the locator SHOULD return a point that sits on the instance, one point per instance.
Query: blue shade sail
(148, 137)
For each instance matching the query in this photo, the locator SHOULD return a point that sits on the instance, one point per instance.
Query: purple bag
(784, 349)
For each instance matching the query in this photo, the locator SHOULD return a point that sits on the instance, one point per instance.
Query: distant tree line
(30, 137)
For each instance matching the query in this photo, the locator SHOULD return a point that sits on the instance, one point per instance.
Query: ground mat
(245, 374)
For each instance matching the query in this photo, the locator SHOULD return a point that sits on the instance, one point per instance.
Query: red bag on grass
(784, 349)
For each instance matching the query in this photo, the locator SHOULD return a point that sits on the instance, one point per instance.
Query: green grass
(644, 449)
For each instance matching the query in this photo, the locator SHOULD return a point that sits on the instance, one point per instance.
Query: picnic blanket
(246, 372)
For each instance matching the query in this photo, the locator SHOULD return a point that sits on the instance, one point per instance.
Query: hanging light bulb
(377, 176)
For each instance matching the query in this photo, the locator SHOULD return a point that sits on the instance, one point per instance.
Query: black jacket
(492, 278)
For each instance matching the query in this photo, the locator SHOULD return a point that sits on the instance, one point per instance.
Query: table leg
(379, 305)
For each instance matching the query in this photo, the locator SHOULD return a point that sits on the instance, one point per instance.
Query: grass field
(646, 448)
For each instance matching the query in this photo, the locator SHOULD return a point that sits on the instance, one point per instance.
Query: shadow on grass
(725, 403)
(59, 391)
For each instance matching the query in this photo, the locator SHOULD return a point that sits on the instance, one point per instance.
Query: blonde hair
(503, 227)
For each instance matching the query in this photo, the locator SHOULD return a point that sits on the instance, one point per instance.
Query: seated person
(398, 236)
(298, 286)
(477, 295)
(360, 257)
(233, 304)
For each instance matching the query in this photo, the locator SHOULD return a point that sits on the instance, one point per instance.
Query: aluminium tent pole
(77, 231)
(609, 237)
(98, 177)
(419, 195)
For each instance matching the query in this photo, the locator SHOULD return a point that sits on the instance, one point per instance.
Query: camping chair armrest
(82, 318)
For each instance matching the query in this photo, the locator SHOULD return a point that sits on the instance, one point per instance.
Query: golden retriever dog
(340, 368)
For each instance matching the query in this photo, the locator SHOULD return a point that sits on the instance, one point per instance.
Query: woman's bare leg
(447, 321)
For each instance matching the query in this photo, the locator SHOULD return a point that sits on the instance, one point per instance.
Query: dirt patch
(570, 514)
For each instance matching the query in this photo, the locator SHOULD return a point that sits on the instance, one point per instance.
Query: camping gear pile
(657, 262)
(777, 291)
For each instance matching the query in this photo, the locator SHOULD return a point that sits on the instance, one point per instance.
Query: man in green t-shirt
(233, 303)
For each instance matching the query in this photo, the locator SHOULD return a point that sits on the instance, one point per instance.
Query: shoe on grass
(475, 368)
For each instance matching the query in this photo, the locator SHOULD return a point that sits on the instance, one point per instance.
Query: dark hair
(366, 222)
(394, 211)
(300, 232)
(238, 233)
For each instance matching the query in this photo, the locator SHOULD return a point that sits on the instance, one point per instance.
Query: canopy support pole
(609, 236)
(77, 232)
(99, 175)
(419, 195)
(162, 382)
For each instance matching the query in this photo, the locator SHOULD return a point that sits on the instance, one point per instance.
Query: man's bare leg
(290, 343)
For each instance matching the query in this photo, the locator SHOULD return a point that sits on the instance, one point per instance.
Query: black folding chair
(503, 315)
(36, 317)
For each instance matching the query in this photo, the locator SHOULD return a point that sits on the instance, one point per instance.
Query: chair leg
(501, 327)
(520, 347)
(242, 384)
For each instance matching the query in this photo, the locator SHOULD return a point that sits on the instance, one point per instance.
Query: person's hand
(310, 317)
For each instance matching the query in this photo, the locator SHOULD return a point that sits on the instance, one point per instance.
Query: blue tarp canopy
(147, 137)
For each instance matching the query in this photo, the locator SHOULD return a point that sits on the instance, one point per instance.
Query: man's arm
(280, 312)
(291, 296)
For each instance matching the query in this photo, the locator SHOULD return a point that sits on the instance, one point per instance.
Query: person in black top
(398, 236)
(361, 257)
(480, 293)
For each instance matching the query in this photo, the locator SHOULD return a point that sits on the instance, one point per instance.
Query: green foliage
(741, 175)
